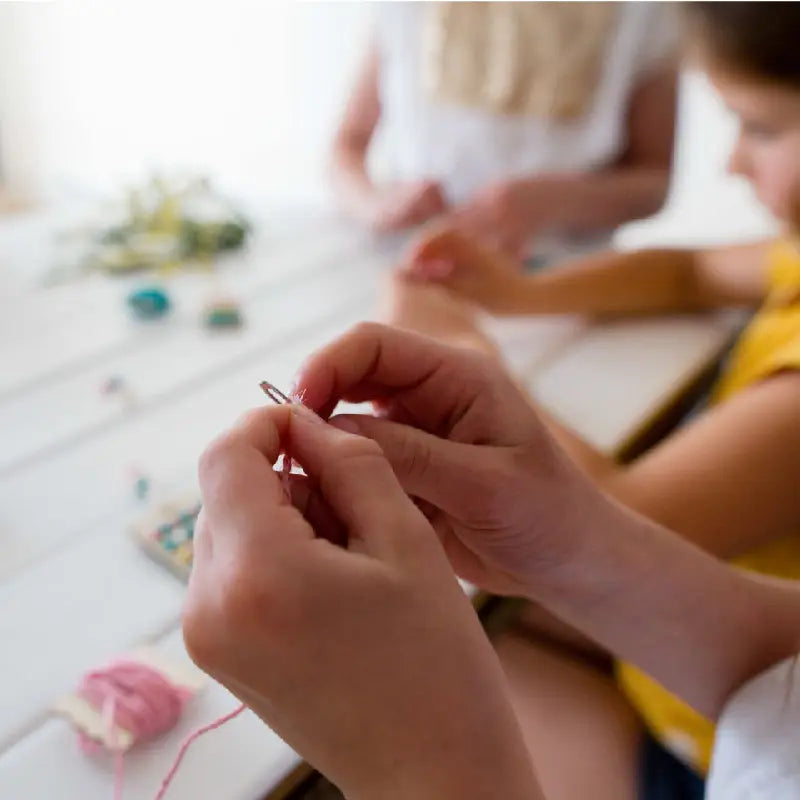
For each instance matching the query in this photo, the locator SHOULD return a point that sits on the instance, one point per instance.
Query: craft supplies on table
(223, 314)
(132, 700)
(150, 302)
(167, 535)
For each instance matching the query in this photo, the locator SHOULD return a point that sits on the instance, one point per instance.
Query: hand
(470, 269)
(365, 656)
(507, 214)
(507, 504)
(403, 205)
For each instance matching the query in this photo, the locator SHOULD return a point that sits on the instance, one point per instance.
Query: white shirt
(757, 746)
(467, 148)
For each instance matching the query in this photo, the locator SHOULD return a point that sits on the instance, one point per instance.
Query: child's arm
(693, 481)
(641, 282)
(727, 482)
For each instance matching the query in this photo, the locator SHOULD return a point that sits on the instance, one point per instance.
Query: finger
(201, 541)
(485, 238)
(242, 494)
(430, 202)
(439, 269)
(355, 480)
(438, 202)
(451, 245)
(389, 220)
(384, 360)
(435, 470)
(439, 241)
(431, 384)
(421, 211)
(308, 500)
(466, 221)
(434, 269)
(255, 438)
(507, 242)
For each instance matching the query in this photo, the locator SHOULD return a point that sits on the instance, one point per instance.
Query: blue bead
(149, 303)
(141, 488)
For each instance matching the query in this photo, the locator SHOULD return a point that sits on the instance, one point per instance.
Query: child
(728, 481)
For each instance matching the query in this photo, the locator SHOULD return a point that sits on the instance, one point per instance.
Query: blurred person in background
(534, 126)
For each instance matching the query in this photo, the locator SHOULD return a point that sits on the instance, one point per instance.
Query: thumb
(436, 470)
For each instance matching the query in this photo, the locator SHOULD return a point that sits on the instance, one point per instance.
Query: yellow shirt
(770, 343)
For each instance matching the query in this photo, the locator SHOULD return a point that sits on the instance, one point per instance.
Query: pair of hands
(335, 614)
(503, 215)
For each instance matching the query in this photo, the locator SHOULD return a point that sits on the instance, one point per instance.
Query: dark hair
(760, 39)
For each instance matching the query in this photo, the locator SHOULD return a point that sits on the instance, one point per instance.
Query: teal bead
(141, 487)
(223, 317)
(149, 303)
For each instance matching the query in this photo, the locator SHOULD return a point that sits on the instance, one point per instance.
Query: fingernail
(346, 424)
(294, 386)
(297, 394)
(440, 267)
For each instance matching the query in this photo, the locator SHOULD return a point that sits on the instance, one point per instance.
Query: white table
(75, 590)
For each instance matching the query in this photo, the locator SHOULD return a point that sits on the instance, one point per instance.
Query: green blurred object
(166, 226)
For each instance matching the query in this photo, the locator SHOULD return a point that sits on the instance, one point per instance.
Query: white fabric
(466, 148)
(757, 747)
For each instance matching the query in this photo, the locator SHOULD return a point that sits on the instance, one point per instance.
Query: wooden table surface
(75, 590)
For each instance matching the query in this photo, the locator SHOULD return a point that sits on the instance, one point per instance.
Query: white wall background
(93, 92)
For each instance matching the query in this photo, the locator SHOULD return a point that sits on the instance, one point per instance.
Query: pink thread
(133, 696)
(187, 742)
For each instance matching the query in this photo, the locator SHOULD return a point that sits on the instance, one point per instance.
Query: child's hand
(365, 657)
(460, 262)
(508, 505)
(505, 215)
(403, 205)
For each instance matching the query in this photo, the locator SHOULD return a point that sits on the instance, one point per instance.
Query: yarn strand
(119, 774)
(187, 743)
